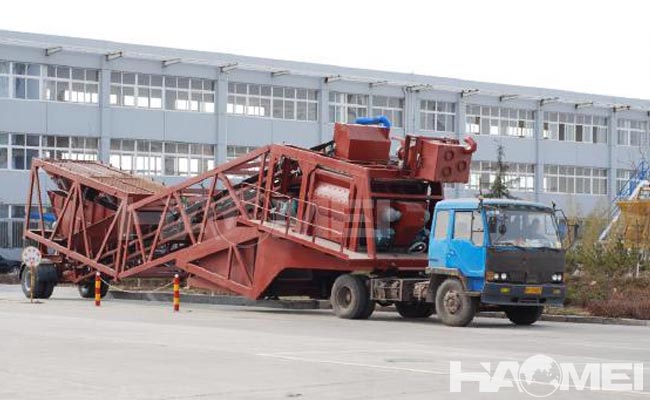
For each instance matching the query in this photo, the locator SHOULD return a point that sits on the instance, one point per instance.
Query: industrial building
(171, 113)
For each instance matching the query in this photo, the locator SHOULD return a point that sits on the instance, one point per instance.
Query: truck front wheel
(415, 310)
(523, 315)
(350, 297)
(454, 307)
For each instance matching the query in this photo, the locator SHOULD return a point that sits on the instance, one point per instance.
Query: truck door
(439, 242)
(466, 248)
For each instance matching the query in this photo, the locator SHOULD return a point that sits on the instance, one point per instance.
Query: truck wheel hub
(452, 301)
(344, 297)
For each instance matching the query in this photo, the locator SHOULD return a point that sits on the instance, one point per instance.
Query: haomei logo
(541, 376)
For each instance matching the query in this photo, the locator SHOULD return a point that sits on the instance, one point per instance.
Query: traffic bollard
(177, 293)
(98, 289)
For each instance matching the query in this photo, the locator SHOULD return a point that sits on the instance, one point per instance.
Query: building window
(69, 147)
(255, 100)
(26, 80)
(233, 152)
(4, 78)
(29, 81)
(485, 120)
(129, 89)
(189, 94)
(391, 107)
(437, 116)
(346, 107)
(12, 222)
(519, 177)
(151, 157)
(632, 132)
(567, 127)
(579, 180)
(24, 148)
(622, 177)
(17, 150)
(74, 85)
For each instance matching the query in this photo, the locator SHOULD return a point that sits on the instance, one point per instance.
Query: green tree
(499, 188)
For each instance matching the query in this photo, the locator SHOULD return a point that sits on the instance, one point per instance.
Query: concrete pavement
(65, 348)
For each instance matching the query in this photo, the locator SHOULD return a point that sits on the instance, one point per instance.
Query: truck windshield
(523, 227)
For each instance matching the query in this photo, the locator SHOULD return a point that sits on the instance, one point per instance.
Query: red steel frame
(221, 228)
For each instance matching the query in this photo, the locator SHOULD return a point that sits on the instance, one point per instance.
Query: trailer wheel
(350, 298)
(454, 307)
(524, 315)
(87, 289)
(415, 310)
(42, 289)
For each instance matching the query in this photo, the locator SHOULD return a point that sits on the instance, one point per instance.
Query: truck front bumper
(525, 295)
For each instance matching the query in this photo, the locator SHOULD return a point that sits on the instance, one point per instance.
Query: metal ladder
(630, 189)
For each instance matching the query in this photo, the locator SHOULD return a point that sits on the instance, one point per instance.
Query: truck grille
(531, 277)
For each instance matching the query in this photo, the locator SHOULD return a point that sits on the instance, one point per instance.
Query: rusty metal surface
(279, 220)
(105, 174)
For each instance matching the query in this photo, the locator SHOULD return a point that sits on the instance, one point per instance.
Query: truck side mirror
(502, 229)
(563, 228)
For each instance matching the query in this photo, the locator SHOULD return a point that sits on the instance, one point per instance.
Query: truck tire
(42, 289)
(350, 298)
(87, 289)
(454, 307)
(415, 310)
(370, 308)
(523, 315)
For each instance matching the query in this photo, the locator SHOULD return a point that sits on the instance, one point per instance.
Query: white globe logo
(540, 376)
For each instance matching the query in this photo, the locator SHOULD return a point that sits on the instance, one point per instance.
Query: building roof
(227, 61)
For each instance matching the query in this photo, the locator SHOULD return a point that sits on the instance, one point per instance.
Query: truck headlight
(556, 277)
(504, 276)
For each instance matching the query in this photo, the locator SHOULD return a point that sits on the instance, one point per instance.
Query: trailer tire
(42, 289)
(370, 308)
(415, 310)
(454, 307)
(87, 289)
(350, 298)
(523, 315)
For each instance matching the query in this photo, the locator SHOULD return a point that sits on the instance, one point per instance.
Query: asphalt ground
(66, 348)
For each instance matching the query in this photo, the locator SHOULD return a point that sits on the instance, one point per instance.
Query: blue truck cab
(498, 254)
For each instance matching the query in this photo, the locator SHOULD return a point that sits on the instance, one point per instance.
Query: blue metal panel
(438, 247)
(473, 203)
(467, 257)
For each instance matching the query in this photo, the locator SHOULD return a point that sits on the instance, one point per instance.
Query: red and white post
(177, 293)
(98, 289)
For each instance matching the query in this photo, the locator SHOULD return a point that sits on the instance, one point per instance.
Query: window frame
(470, 235)
(445, 233)
(500, 121)
(272, 101)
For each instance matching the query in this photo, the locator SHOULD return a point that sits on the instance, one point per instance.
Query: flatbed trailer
(280, 220)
